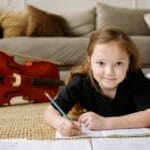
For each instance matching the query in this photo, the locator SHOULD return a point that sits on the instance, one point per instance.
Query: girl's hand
(68, 128)
(92, 121)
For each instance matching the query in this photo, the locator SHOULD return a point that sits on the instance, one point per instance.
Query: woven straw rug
(24, 120)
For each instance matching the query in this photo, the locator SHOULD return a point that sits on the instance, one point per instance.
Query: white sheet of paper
(109, 133)
(55, 145)
(12, 144)
(121, 144)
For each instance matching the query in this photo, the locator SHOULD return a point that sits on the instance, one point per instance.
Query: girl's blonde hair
(106, 35)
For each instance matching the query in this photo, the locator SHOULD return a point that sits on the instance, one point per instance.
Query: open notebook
(21, 144)
(120, 143)
(86, 144)
(139, 132)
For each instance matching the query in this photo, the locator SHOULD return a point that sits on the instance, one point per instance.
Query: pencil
(57, 106)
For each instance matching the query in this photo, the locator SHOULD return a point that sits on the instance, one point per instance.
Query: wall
(72, 5)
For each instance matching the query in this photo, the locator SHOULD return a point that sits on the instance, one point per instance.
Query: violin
(29, 80)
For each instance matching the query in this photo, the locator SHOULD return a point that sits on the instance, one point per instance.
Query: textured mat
(24, 120)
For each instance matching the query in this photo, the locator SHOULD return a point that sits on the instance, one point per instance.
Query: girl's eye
(101, 63)
(119, 63)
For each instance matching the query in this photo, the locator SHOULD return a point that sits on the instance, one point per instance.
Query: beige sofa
(70, 49)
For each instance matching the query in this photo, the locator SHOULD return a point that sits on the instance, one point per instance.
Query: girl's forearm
(135, 120)
(52, 117)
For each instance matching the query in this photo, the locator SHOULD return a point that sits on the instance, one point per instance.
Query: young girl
(110, 86)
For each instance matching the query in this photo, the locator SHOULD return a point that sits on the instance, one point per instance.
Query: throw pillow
(13, 23)
(147, 19)
(41, 23)
(80, 23)
(127, 19)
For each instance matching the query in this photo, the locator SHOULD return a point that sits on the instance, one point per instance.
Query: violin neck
(46, 82)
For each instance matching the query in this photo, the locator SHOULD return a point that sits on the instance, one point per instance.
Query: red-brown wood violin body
(30, 80)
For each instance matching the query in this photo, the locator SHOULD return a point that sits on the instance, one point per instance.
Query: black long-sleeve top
(133, 94)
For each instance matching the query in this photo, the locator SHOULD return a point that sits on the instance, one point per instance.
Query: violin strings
(39, 81)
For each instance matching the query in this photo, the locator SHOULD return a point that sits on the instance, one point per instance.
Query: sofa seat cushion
(69, 52)
(66, 51)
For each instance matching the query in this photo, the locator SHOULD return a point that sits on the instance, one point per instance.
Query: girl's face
(109, 65)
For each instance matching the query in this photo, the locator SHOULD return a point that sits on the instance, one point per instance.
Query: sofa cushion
(13, 23)
(41, 23)
(80, 23)
(129, 20)
(147, 19)
(143, 45)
